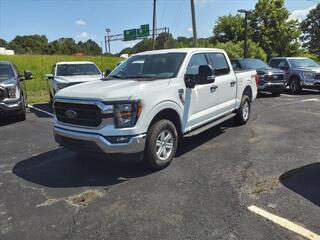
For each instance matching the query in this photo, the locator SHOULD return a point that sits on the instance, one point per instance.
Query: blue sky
(83, 19)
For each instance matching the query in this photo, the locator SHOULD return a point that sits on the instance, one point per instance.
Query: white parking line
(40, 110)
(285, 223)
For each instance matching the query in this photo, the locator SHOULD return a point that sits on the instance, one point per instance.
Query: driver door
(201, 102)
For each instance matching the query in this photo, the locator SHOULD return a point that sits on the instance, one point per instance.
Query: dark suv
(13, 95)
(272, 80)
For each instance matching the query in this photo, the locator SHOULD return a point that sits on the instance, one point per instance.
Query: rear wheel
(161, 145)
(295, 85)
(243, 113)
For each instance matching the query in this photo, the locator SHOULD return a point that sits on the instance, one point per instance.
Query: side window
(235, 64)
(219, 63)
(196, 61)
(283, 63)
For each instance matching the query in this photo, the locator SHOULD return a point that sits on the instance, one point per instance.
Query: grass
(40, 65)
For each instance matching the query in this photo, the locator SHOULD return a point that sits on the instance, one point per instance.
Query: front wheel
(22, 112)
(161, 145)
(295, 86)
(243, 113)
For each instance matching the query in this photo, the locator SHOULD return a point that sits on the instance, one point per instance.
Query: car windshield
(77, 69)
(254, 63)
(151, 66)
(6, 72)
(303, 62)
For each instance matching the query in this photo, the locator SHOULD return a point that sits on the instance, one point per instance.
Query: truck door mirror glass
(206, 74)
(107, 72)
(28, 75)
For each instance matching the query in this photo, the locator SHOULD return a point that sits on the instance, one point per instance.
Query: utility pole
(107, 41)
(194, 28)
(154, 25)
(245, 46)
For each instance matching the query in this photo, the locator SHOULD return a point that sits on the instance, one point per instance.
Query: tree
(63, 46)
(3, 43)
(272, 30)
(29, 44)
(89, 47)
(311, 31)
(229, 28)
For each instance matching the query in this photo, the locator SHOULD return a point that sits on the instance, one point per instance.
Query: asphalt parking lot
(273, 163)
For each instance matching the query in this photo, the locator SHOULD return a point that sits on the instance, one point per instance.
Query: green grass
(40, 65)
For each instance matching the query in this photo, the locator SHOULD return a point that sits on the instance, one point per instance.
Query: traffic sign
(143, 31)
(130, 34)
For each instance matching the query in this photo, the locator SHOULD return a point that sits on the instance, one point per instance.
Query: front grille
(275, 77)
(85, 114)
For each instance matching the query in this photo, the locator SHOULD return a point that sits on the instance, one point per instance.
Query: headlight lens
(62, 85)
(127, 114)
(13, 92)
(308, 75)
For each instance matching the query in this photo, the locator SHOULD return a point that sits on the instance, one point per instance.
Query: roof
(5, 62)
(179, 50)
(289, 58)
(75, 62)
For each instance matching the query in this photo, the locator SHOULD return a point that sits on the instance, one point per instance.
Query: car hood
(78, 78)
(308, 69)
(112, 90)
(269, 71)
(8, 82)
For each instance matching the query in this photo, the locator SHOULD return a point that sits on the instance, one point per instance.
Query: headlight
(127, 114)
(308, 75)
(13, 92)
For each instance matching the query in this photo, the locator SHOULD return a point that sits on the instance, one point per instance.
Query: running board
(209, 125)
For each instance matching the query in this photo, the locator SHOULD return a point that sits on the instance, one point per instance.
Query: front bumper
(92, 142)
(272, 86)
(8, 107)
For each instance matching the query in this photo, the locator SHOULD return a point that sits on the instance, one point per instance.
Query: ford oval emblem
(71, 114)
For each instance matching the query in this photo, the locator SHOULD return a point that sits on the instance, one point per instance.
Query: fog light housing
(118, 139)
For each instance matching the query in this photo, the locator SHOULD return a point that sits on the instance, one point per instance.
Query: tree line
(39, 44)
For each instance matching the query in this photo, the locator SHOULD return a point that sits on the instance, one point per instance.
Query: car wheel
(243, 113)
(161, 145)
(295, 85)
(22, 112)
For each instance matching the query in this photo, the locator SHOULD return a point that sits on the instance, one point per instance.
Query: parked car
(300, 72)
(151, 100)
(65, 74)
(271, 79)
(13, 94)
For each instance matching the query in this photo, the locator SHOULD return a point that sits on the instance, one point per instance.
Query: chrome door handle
(213, 88)
(233, 83)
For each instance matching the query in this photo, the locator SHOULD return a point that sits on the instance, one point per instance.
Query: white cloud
(81, 23)
(189, 29)
(83, 36)
(300, 14)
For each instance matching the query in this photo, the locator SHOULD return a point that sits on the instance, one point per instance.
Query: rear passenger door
(226, 82)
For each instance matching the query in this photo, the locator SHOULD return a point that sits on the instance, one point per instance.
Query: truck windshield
(254, 63)
(151, 66)
(303, 62)
(77, 69)
(6, 72)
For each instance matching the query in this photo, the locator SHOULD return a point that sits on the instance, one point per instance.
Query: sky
(84, 19)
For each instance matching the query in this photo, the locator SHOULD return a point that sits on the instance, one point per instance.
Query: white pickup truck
(152, 99)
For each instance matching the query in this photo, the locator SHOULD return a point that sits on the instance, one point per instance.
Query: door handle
(213, 88)
(233, 83)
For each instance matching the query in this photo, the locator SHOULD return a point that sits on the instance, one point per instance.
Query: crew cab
(65, 74)
(271, 79)
(13, 94)
(301, 72)
(151, 100)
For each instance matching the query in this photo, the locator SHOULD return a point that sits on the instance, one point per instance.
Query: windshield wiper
(115, 76)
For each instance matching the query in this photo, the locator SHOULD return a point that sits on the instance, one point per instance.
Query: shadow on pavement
(304, 181)
(42, 106)
(61, 168)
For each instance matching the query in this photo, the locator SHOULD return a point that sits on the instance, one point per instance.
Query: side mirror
(190, 80)
(49, 77)
(206, 74)
(107, 72)
(28, 75)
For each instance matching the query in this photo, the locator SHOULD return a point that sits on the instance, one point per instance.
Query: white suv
(151, 99)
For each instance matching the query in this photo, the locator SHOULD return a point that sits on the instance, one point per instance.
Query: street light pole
(154, 25)
(245, 47)
(194, 28)
(107, 41)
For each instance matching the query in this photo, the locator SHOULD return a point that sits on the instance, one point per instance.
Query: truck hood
(112, 90)
(11, 81)
(308, 69)
(78, 78)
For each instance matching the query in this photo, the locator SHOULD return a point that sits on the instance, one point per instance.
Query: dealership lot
(48, 192)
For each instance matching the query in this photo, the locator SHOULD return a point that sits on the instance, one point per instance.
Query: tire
(162, 135)
(295, 86)
(243, 113)
(22, 113)
(276, 93)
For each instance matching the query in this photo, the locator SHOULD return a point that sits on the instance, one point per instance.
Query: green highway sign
(133, 34)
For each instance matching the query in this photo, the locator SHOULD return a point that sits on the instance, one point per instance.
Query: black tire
(241, 118)
(276, 93)
(151, 158)
(22, 113)
(295, 85)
